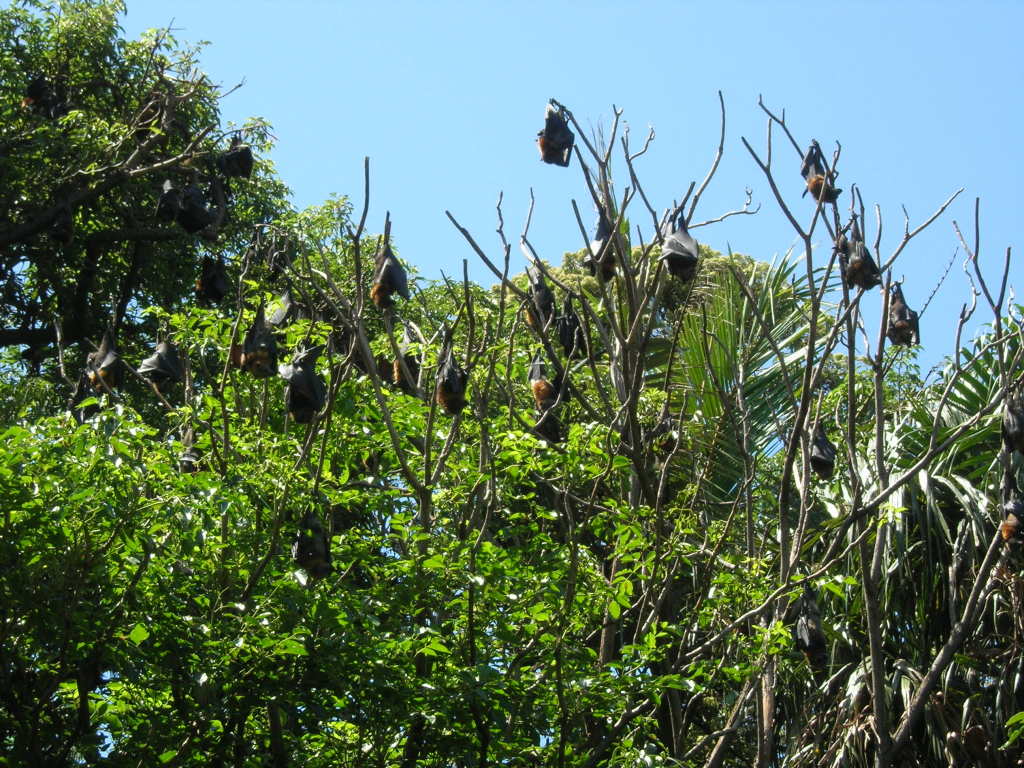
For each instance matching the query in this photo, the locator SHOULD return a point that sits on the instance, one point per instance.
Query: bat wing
(283, 313)
(105, 355)
(823, 455)
(171, 360)
(810, 163)
(681, 243)
(163, 364)
(399, 278)
(452, 377)
(537, 368)
(303, 380)
(1013, 423)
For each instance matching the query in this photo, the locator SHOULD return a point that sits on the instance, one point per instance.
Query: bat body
(823, 455)
(600, 260)
(311, 549)
(163, 366)
(1013, 514)
(104, 367)
(212, 285)
(540, 307)
(193, 215)
(549, 428)
(808, 635)
(237, 161)
(818, 180)
(43, 99)
(63, 228)
(450, 389)
(662, 437)
(903, 326)
(570, 332)
(259, 348)
(306, 393)
(858, 268)
(679, 250)
(400, 381)
(545, 394)
(389, 279)
(169, 203)
(38, 93)
(556, 140)
(1013, 421)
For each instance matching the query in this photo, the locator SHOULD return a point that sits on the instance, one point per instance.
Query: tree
(93, 125)
(606, 558)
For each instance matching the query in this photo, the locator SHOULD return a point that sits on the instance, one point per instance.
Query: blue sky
(446, 99)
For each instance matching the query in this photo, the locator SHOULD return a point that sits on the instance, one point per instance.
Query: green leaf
(138, 634)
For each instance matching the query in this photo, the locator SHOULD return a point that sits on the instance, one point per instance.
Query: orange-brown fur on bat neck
(548, 151)
(543, 393)
(1010, 529)
(103, 379)
(452, 402)
(381, 295)
(819, 187)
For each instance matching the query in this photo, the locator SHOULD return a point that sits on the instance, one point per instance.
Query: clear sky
(446, 98)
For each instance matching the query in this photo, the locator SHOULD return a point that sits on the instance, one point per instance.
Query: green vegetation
(632, 589)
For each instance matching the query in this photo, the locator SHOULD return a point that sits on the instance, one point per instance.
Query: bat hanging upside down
(819, 182)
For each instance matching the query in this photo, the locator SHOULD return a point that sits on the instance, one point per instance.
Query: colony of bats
(306, 393)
